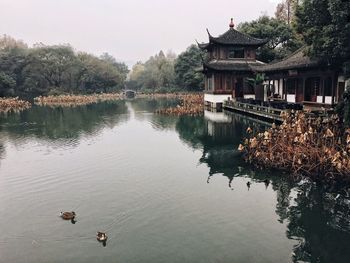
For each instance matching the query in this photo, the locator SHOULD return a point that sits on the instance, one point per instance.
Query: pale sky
(130, 30)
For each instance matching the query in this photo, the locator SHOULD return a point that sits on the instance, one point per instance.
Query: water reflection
(142, 109)
(218, 136)
(2, 151)
(63, 126)
(318, 218)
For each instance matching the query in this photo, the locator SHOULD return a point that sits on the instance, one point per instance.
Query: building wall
(222, 52)
(216, 98)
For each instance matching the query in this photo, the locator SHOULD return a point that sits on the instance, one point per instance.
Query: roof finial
(232, 25)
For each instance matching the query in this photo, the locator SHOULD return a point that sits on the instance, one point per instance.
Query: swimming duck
(67, 215)
(248, 184)
(101, 236)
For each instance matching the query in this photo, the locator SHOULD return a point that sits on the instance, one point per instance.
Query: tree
(120, 66)
(156, 74)
(325, 27)
(54, 63)
(7, 84)
(7, 42)
(136, 76)
(44, 70)
(285, 11)
(187, 75)
(98, 75)
(282, 39)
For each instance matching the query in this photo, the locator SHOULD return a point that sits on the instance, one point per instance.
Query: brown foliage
(13, 104)
(317, 147)
(191, 104)
(75, 100)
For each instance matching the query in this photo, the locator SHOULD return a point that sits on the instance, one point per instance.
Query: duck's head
(73, 213)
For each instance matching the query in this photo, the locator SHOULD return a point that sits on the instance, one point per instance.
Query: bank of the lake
(164, 188)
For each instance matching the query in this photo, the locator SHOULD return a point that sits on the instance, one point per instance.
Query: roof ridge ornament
(208, 32)
(232, 25)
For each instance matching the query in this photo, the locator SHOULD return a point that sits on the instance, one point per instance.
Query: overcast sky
(130, 30)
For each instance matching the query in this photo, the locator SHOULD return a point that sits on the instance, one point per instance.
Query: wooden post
(304, 81)
(334, 86)
(322, 88)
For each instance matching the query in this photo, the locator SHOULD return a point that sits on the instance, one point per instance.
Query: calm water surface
(166, 189)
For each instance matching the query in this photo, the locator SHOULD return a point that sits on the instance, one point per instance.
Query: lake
(164, 188)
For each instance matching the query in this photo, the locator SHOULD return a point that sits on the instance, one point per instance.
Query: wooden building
(296, 79)
(299, 79)
(230, 60)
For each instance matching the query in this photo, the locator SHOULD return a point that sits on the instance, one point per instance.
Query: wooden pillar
(322, 88)
(334, 86)
(213, 82)
(304, 82)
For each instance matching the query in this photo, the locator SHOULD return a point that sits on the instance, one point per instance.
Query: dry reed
(316, 147)
(13, 105)
(75, 100)
(190, 104)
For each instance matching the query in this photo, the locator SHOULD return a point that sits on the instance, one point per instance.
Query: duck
(248, 184)
(68, 215)
(101, 236)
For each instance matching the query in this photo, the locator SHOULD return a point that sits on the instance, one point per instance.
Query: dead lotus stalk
(317, 147)
(191, 104)
(13, 104)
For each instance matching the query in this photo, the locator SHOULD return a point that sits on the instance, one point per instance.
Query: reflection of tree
(2, 151)
(218, 141)
(150, 105)
(283, 190)
(64, 124)
(321, 221)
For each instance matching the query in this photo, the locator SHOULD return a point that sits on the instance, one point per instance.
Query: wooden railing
(257, 110)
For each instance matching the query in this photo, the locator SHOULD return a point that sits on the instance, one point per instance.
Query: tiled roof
(232, 65)
(234, 37)
(297, 60)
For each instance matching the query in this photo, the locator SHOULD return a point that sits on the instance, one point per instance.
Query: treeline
(168, 72)
(50, 70)
(322, 26)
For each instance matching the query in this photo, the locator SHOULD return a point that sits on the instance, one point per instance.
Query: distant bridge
(129, 93)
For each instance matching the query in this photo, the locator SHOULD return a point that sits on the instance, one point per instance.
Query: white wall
(291, 98)
(327, 99)
(280, 88)
(216, 98)
(217, 117)
(249, 96)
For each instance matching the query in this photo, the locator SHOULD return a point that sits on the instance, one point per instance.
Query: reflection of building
(218, 124)
(231, 56)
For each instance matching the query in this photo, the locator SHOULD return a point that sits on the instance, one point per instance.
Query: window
(291, 86)
(328, 86)
(236, 53)
(210, 83)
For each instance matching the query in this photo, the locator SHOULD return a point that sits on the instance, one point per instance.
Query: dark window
(247, 88)
(236, 53)
(328, 86)
(291, 85)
